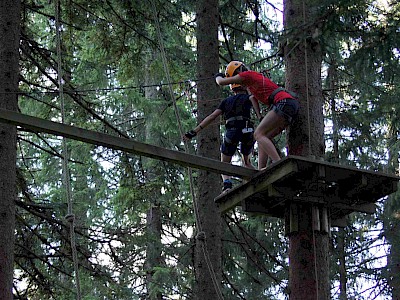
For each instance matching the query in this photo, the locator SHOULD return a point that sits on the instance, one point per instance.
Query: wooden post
(308, 247)
(308, 268)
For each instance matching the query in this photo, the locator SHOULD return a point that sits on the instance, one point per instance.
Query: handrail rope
(170, 90)
(309, 148)
(191, 184)
(70, 217)
(56, 92)
(82, 91)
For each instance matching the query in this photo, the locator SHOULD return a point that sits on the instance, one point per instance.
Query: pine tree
(207, 257)
(308, 266)
(10, 28)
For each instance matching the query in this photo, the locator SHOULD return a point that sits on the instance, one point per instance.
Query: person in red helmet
(236, 111)
(284, 106)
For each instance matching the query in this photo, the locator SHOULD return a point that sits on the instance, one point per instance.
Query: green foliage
(114, 82)
(255, 263)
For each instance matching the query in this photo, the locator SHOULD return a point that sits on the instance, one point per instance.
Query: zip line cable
(70, 217)
(191, 184)
(110, 89)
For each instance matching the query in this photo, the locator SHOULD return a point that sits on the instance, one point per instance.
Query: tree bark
(392, 220)
(208, 274)
(394, 258)
(154, 218)
(342, 264)
(303, 75)
(9, 74)
(308, 247)
(341, 236)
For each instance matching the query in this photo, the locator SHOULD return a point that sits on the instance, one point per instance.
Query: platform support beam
(311, 195)
(320, 220)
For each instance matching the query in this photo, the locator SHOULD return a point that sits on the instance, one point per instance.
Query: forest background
(127, 68)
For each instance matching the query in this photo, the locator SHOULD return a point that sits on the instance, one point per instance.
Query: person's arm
(207, 120)
(256, 106)
(203, 124)
(228, 80)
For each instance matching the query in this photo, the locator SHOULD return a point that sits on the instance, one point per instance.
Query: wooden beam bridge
(123, 144)
(339, 189)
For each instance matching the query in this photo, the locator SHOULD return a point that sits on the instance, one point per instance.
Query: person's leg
(247, 162)
(227, 159)
(228, 149)
(262, 158)
(262, 155)
(269, 127)
(247, 149)
(227, 183)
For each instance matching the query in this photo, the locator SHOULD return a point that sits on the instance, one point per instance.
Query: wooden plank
(123, 144)
(368, 208)
(325, 220)
(336, 170)
(342, 222)
(259, 183)
(312, 181)
(293, 218)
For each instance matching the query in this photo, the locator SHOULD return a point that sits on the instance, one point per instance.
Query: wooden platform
(342, 189)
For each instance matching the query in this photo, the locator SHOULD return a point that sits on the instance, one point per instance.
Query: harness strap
(280, 89)
(237, 118)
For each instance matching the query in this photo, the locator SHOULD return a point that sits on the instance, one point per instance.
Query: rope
(201, 234)
(110, 89)
(171, 92)
(70, 217)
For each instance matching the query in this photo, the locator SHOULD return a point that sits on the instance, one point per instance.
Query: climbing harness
(280, 89)
(240, 122)
(237, 118)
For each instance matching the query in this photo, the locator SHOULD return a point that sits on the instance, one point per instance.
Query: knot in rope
(70, 218)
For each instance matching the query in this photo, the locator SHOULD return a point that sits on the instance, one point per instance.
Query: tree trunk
(332, 86)
(394, 258)
(341, 236)
(342, 264)
(153, 251)
(207, 258)
(9, 74)
(308, 246)
(154, 224)
(392, 220)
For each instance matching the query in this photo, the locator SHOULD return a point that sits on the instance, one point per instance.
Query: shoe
(227, 185)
